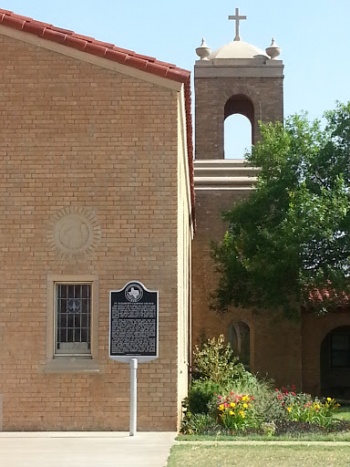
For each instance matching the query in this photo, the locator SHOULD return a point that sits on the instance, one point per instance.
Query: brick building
(97, 190)
(313, 353)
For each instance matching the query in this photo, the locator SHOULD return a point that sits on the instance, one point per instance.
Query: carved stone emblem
(75, 232)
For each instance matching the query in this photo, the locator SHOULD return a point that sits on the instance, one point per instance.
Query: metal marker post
(133, 396)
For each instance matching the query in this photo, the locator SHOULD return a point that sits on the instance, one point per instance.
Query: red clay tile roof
(323, 295)
(93, 46)
(110, 52)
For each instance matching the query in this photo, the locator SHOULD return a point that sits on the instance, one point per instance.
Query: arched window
(239, 338)
(237, 136)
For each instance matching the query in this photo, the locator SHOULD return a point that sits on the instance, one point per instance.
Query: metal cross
(237, 18)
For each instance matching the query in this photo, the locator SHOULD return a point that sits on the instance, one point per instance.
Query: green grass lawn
(294, 450)
(343, 413)
(296, 446)
(269, 455)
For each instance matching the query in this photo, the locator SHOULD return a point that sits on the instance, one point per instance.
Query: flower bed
(227, 399)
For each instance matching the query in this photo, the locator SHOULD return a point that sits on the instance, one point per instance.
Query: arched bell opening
(238, 126)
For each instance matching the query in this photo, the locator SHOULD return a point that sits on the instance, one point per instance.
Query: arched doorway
(335, 363)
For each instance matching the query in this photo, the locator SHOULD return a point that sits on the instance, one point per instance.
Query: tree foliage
(291, 238)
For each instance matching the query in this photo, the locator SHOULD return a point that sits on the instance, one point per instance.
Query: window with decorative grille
(73, 319)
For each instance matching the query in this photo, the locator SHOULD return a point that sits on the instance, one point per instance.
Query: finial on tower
(203, 51)
(237, 18)
(274, 50)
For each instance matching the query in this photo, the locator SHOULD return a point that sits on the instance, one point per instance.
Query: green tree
(290, 239)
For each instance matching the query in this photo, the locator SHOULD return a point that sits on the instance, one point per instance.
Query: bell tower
(237, 78)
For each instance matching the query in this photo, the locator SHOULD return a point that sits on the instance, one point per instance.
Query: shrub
(200, 395)
(266, 407)
(215, 369)
(215, 361)
(199, 424)
(268, 428)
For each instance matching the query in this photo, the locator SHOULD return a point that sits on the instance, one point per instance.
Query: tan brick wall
(275, 342)
(75, 135)
(314, 330)
(266, 95)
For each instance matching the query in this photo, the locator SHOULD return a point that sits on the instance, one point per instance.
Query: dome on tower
(238, 49)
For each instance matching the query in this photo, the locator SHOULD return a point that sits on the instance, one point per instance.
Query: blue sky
(314, 35)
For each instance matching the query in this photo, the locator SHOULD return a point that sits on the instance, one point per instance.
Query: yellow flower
(231, 412)
(242, 414)
(245, 405)
(289, 409)
(221, 407)
(232, 404)
(245, 398)
(329, 399)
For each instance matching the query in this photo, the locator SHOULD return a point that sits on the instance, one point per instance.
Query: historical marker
(133, 333)
(133, 323)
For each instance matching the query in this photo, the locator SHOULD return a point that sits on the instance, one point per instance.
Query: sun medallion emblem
(75, 232)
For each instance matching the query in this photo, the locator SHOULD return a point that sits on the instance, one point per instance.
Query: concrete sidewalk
(84, 449)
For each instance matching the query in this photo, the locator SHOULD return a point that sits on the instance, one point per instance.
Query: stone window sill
(72, 365)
